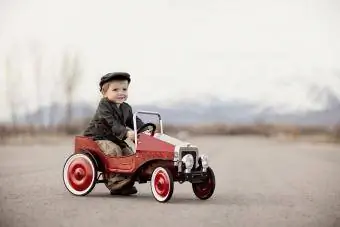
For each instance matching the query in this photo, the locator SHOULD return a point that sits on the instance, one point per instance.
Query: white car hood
(171, 140)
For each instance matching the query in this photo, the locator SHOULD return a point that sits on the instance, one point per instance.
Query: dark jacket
(110, 122)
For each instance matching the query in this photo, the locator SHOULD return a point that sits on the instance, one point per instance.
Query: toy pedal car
(158, 158)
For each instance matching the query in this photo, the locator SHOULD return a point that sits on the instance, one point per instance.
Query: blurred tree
(36, 54)
(71, 73)
(12, 82)
(54, 95)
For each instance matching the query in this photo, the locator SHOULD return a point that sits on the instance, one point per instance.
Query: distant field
(22, 134)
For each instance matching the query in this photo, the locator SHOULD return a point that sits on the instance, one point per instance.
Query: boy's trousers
(111, 149)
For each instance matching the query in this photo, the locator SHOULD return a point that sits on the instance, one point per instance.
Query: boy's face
(117, 91)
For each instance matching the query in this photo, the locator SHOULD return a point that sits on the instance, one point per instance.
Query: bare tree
(71, 72)
(54, 94)
(36, 54)
(337, 74)
(11, 87)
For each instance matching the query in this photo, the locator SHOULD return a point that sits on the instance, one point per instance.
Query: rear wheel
(79, 174)
(205, 189)
(162, 184)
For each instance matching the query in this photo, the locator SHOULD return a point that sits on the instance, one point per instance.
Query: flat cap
(114, 76)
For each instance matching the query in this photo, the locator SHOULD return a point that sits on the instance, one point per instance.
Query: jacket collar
(118, 110)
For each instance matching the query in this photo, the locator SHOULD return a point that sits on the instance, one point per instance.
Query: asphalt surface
(259, 183)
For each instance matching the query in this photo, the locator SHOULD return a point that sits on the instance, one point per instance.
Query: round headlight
(188, 160)
(204, 160)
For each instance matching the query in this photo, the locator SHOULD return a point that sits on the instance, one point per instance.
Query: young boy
(109, 125)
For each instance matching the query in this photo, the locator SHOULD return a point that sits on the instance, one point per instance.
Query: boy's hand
(147, 132)
(130, 135)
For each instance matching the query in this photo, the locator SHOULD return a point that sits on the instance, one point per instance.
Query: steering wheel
(145, 126)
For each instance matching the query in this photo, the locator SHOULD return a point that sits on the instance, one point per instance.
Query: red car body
(149, 148)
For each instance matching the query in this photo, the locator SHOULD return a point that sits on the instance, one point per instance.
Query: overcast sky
(265, 51)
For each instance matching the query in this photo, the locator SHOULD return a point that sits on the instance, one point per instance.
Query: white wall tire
(79, 174)
(162, 184)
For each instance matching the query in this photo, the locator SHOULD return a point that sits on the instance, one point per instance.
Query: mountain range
(216, 111)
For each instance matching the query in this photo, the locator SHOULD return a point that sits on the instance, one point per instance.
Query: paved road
(259, 183)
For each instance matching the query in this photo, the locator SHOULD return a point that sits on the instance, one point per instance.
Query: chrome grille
(189, 150)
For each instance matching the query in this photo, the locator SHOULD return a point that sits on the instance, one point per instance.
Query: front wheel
(162, 184)
(205, 189)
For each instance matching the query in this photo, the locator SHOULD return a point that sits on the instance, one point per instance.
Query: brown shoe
(124, 191)
(129, 191)
(118, 185)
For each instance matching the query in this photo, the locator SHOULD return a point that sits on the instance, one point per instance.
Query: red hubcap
(80, 174)
(162, 184)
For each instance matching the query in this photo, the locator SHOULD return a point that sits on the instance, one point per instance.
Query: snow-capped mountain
(212, 110)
